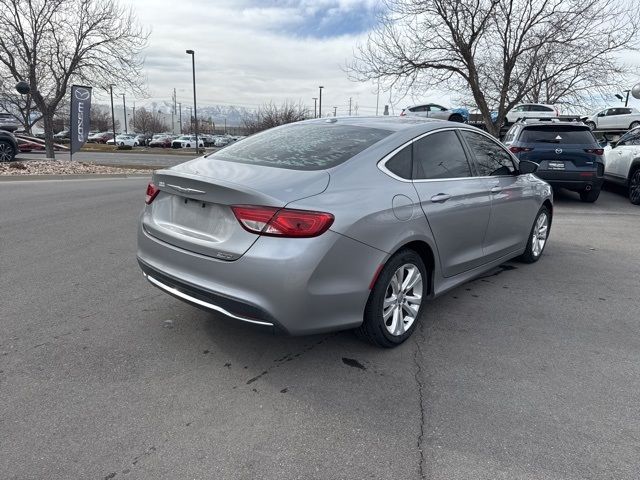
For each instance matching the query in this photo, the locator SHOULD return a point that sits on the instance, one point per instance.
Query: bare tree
(499, 51)
(53, 43)
(270, 115)
(149, 122)
(101, 119)
(20, 106)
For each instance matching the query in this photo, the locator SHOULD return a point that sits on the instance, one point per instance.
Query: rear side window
(540, 108)
(491, 158)
(555, 134)
(302, 147)
(631, 138)
(440, 155)
(400, 164)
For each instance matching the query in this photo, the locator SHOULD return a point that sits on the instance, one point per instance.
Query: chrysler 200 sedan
(342, 223)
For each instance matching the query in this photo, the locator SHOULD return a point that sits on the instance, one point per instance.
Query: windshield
(303, 146)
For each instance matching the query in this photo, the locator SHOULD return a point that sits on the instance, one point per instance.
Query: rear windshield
(561, 135)
(303, 147)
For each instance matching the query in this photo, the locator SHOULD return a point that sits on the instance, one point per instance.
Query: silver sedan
(342, 223)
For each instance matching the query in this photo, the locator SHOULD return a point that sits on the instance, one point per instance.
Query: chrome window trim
(383, 168)
(202, 303)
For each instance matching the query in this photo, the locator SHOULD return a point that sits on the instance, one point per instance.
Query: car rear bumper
(294, 286)
(571, 180)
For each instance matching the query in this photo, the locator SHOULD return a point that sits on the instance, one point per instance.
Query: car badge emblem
(185, 189)
(558, 151)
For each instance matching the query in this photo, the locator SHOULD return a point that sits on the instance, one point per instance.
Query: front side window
(631, 138)
(440, 155)
(491, 158)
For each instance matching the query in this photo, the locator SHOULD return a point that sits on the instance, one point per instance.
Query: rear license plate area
(556, 165)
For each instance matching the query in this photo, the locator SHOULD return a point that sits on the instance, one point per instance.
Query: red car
(163, 142)
(101, 137)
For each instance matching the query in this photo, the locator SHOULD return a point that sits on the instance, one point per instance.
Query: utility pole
(626, 101)
(378, 98)
(320, 103)
(315, 107)
(349, 106)
(335, 109)
(180, 105)
(195, 108)
(225, 125)
(113, 114)
(190, 118)
(124, 108)
(173, 113)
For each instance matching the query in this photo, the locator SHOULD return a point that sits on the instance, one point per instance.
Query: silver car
(342, 223)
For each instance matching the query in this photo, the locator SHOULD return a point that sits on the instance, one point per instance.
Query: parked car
(64, 134)
(143, 139)
(622, 163)
(431, 110)
(344, 223)
(8, 122)
(528, 110)
(124, 139)
(187, 141)
(8, 146)
(223, 140)
(614, 118)
(567, 153)
(160, 141)
(101, 137)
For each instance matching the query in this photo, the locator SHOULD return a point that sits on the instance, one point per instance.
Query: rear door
(456, 204)
(513, 206)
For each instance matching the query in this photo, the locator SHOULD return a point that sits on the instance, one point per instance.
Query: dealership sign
(80, 116)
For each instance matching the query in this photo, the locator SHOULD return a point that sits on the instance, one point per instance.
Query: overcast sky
(252, 51)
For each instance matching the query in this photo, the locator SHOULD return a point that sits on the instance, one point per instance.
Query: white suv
(621, 118)
(622, 163)
(531, 110)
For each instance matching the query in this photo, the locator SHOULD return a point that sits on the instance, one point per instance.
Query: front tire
(634, 187)
(396, 301)
(591, 125)
(537, 237)
(7, 152)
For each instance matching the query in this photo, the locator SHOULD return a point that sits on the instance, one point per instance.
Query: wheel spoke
(412, 310)
(387, 313)
(389, 301)
(398, 320)
(413, 276)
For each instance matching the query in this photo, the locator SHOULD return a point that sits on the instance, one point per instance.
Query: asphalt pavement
(531, 372)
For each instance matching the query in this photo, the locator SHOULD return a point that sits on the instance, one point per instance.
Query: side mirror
(527, 166)
(601, 114)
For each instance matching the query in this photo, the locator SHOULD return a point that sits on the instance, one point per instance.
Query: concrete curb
(88, 176)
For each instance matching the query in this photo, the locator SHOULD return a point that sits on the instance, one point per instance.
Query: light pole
(315, 107)
(626, 101)
(335, 109)
(320, 103)
(180, 116)
(124, 108)
(195, 109)
(113, 115)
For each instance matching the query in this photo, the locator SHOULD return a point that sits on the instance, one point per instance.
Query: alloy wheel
(634, 188)
(6, 152)
(540, 232)
(402, 299)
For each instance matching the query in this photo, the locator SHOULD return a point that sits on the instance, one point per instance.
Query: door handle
(440, 198)
(496, 189)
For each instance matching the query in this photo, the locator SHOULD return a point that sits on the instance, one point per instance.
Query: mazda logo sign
(82, 94)
(558, 151)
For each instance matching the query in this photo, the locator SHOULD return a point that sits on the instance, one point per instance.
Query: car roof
(386, 122)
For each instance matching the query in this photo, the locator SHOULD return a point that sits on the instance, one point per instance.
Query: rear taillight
(152, 192)
(520, 149)
(596, 151)
(283, 222)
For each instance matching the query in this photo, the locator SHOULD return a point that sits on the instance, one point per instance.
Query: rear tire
(634, 187)
(396, 301)
(634, 125)
(590, 196)
(537, 237)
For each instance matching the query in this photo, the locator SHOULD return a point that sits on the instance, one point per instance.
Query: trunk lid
(193, 209)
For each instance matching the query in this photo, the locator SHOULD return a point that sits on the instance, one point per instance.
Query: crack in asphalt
(420, 385)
